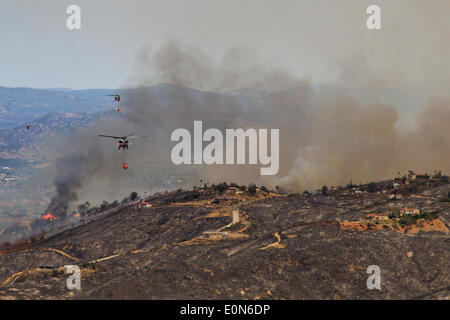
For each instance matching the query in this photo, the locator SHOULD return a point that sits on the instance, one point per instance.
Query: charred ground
(284, 246)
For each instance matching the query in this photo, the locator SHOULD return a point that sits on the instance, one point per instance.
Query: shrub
(222, 187)
(133, 195)
(191, 195)
(252, 188)
(409, 220)
(372, 187)
(104, 204)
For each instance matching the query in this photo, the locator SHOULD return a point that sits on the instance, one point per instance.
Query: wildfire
(48, 217)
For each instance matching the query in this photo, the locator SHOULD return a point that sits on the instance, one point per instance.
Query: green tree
(133, 196)
(222, 187)
(104, 205)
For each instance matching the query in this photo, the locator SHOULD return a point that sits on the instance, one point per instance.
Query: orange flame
(48, 217)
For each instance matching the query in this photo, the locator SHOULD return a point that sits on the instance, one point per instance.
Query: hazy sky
(325, 41)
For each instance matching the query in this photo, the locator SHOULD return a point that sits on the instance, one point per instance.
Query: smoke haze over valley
(378, 112)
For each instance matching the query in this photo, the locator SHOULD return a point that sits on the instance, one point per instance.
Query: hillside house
(234, 190)
(395, 196)
(422, 176)
(143, 205)
(418, 176)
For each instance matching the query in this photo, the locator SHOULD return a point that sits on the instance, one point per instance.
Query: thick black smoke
(72, 170)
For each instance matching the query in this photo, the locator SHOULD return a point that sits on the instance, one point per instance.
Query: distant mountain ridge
(17, 137)
(20, 106)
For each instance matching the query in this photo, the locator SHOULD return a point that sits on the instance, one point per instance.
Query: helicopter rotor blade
(134, 137)
(112, 137)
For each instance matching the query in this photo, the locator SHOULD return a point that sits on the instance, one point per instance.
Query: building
(409, 211)
(393, 196)
(418, 176)
(234, 190)
(422, 176)
(143, 205)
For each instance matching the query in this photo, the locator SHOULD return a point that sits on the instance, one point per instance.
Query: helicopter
(122, 142)
(116, 97)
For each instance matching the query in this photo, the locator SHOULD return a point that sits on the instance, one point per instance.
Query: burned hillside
(235, 242)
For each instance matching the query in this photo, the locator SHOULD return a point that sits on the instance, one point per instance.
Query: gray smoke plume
(72, 171)
(328, 134)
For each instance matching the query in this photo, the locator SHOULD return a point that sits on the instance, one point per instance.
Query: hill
(190, 245)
